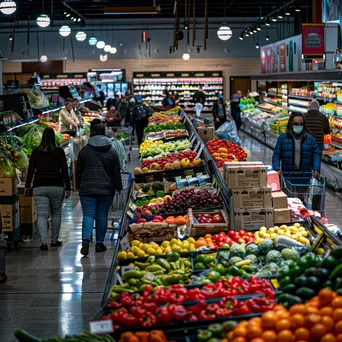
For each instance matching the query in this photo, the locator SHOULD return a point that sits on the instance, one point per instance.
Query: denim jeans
(49, 200)
(95, 208)
(199, 108)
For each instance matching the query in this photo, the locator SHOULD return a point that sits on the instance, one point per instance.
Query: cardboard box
(252, 176)
(206, 133)
(253, 219)
(28, 209)
(8, 186)
(10, 217)
(252, 198)
(279, 200)
(150, 231)
(282, 216)
(273, 180)
(227, 165)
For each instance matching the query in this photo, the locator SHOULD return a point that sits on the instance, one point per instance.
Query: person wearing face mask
(297, 150)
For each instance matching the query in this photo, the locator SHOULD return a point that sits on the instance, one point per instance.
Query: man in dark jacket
(219, 112)
(297, 150)
(139, 119)
(199, 100)
(98, 172)
(317, 123)
(236, 111)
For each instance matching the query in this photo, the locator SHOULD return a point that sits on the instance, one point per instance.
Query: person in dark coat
(297, 150)
(139, 118)
(317, 123)
(235, 110)
(168, 101)
(99, 176)
(219, 112)
(199, 100)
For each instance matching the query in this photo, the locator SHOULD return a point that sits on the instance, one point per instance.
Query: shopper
(118, 147)
(117, 99)
(199, 100)
(219, 112)
(123, 108)
(67, 119)
(139, 119)
(113, 117)
(168, 101)
(297, 150)
(99, 177)
(235, 110)
(78, 110)
(316, 123)
(49, 171)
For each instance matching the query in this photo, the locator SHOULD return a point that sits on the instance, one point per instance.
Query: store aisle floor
(259, 152)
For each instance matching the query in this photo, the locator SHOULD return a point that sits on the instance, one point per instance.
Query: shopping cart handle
(297, 173)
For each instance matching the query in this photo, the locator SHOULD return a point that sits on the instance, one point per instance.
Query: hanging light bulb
(64, 31)
(257, 45)
(43, 58)
(274, 19)
(92, 41)
(107, 48)
(43, 20)
(251, 32)
(280, 16)
(224, 33)
(100, 44)
(8, 7)
(81, 36)
(297, 9)
(186, 56)
(113, 50)
(287, 11)
(241, 36)
(259, 27)
(247, 33)
(267, 38)
(267, 23)
(103, 58)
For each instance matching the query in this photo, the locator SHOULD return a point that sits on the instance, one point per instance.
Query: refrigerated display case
(110, 89)
(54, 81)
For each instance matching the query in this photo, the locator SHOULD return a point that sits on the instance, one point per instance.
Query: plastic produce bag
(228, 131)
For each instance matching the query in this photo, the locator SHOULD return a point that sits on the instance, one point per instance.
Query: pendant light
(43, 20)
(92, 41)
(186, 56)
(64, 31)
(224, 33)
(103, 58)
(81, 36)
(267, 23)
(257, 45)
(8, 7)
(113, 50)
(43, 58)
(107, 48)
(100, 44)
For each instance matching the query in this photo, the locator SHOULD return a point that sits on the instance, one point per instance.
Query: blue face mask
(298, 129)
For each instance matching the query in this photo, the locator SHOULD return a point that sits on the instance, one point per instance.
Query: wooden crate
(149, 232)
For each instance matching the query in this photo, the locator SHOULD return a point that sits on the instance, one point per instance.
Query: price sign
(124, 243)
(275, 283)
(125, 269)
(132, 206)
(101, 327)
(149, 276)
(130, 215)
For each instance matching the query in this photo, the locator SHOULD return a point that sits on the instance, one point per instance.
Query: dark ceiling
(94, 9)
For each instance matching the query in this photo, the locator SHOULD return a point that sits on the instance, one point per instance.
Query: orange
(339, 338)
(312, 310)
(239, 339)
(240, 332)
(268, 320)
(337, 302)
(298, 308)
(208, 236)
(254, 320)
(302, 334)
(283, 324)
(325, 297)
(200, 243)
(338, 328)
(230, 335)
(269, 336)
(337, 314)
(326, 311)
(282, 314)
(311, 319)
(328, 338)
(243, 324)
(285, 336)
(279, 308)
(257, 339)
(254, 331)
(328, 322)
(297, 321)
(318, 331)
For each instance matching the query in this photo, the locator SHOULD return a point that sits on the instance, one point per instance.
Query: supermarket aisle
(258, 152)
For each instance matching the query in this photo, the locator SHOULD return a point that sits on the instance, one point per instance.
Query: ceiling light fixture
(8, 7)
(100, 44)
(280, 16)
(43, 58)
(107, 48)
(103, 58)
(113, 50)
(43, 20)
(274, 19)
(255, 30)
(92, 41)
(224, 33)
(259, 27)
(186, 56)
(247, 33)
(64, 31)
(241, 36)
(297, 9)
(287, 12)
(267, 38)
(267, 23)
(251, 31)
(257, 45)
(10, 38)
(81, 36)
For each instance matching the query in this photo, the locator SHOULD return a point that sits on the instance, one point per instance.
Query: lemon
(191, 240)
(276, 229)
(165, 243)
(320, 251)
(140, 253)
(186, 244)
(122, 255)
(302, 239)
(305, 233)
(297, 225)
(144, 247)
(176, 248)
(184, 250)
(134, 249)
(158, 251)
(302, 229)
(167, 250)
(294, 237)
(192, 247)
(263, 229)
(179, 243)
(130, 255)
(270, 230)
(136, 243)
(283, 226)
(274, 235)
(267, 236)
(151, 251)
(281, 232)
(173, 242)
(259, 240)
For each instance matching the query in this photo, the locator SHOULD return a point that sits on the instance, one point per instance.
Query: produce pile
(163, 127)
(225, 151)
(154, 148)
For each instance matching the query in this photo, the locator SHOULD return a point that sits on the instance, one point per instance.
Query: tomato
(217, 219)
(231, 233)
(242, 232)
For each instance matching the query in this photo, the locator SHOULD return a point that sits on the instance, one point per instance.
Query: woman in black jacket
(235, 110)
(98, 172)
(219, 113)
(49, 171)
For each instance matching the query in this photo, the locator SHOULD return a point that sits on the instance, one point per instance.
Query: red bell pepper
(228, 303)
(127, 320)
(151, 307)
(205, 315)
(148, 320)
(244, 310)
(163, 315)
(179, 313)
(137, 311)
(195, 294)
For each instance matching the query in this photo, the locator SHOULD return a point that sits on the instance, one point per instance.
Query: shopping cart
(127, 141)
(308, 189)
(116, 210)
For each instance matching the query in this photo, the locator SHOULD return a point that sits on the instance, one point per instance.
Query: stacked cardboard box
(282, 214)
(251, 195)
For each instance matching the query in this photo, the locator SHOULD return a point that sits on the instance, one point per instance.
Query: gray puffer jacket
(98, 168)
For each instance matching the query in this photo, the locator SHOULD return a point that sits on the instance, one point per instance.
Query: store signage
(282, 57)
(313, 39)
(101, 327)
(178, 74)
(63, 76)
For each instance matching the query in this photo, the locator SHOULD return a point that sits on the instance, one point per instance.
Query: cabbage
(22, 162)
(7, 169)
(59, 139)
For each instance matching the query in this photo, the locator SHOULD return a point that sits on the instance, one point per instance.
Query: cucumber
(24, 336)
(337, 252)
(290, 288)
(305, 293)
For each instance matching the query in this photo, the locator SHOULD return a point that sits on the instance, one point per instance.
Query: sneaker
(44, 247)
(56, 243)
(100, 247)
(85, 247)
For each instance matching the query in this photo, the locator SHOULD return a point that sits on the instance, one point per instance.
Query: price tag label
(125, 269)
(130, 215)
(134, 194)
(101, 327)
(124, 243)
(275, 283)
(149, 276)
(132, 206)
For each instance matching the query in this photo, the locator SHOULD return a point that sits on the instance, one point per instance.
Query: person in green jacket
(118, 147)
